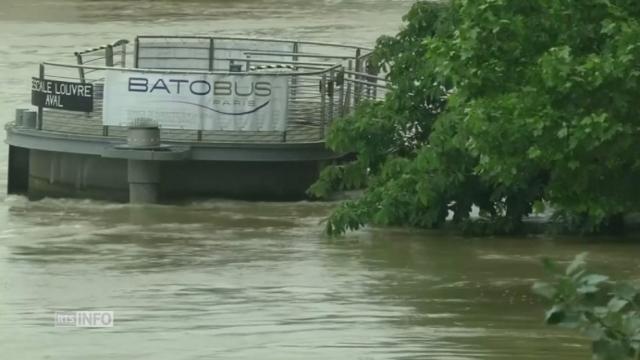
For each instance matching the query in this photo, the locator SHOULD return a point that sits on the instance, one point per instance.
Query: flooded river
(234, 280)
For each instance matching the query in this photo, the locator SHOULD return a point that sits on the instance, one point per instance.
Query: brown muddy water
(235, 280)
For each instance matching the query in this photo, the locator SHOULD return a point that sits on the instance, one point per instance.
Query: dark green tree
(508, 106)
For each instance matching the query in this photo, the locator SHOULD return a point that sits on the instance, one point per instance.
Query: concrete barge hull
(57, 174)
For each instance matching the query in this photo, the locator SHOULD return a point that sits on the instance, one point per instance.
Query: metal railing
(325, 82)
(110, 55)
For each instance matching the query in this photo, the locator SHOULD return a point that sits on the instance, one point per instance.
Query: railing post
(211, 54)
(286, 117)
(296, 49)
(108, 61)
(356, 86)
(375, 88)
(323, 105)
(341, 101)
(331, 89)
(123, 55)
(80, 69)
(108, 55)
(294, 58)
(136, 54)
(347, 99)
(372, 80)
(40, 114)
(211, 65)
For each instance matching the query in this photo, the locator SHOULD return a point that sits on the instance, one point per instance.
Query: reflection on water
(235, 280)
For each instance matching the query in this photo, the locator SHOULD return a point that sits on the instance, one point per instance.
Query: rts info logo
(85, 319)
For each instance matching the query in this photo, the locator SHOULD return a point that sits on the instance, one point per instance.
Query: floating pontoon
(169, 118)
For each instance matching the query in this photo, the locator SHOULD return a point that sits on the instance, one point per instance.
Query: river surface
(221, 279)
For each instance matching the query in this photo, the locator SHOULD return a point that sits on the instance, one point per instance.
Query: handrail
(356, 81)
(266, 61)
(311, 55)
(117, 43)
(318, 43)
(196, 72)
(365, 75)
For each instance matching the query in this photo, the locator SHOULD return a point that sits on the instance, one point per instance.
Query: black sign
(62, 95)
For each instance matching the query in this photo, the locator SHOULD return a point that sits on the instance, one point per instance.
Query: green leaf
(571, 320)
(605, 349)
(562, 133)
(626, 291)
(631, 326)
(587, 289)
(617, 304)
(594, 279)
(577, 264)
(556, 315)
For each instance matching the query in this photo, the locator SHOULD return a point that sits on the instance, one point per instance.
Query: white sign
(196, 102)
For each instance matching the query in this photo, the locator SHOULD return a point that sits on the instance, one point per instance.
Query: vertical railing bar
(211, 54)
(341, 100)
(347, 98)
(368, 79)
(296, 49)
(323, 111)
(349, 92)
(80, 69)
(108, 61)
(136, 54)
(211, 64)
(356, 86)
(294, 80)
(331, 89)
(123, 56)
(108, 55)
(81, 74)
(286, 123)
(40, 108)
(375, 87)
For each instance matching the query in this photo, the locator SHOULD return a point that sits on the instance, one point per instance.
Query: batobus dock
(165, 118)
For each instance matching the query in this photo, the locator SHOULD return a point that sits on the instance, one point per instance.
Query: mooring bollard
(143, 137)
(143, 175)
